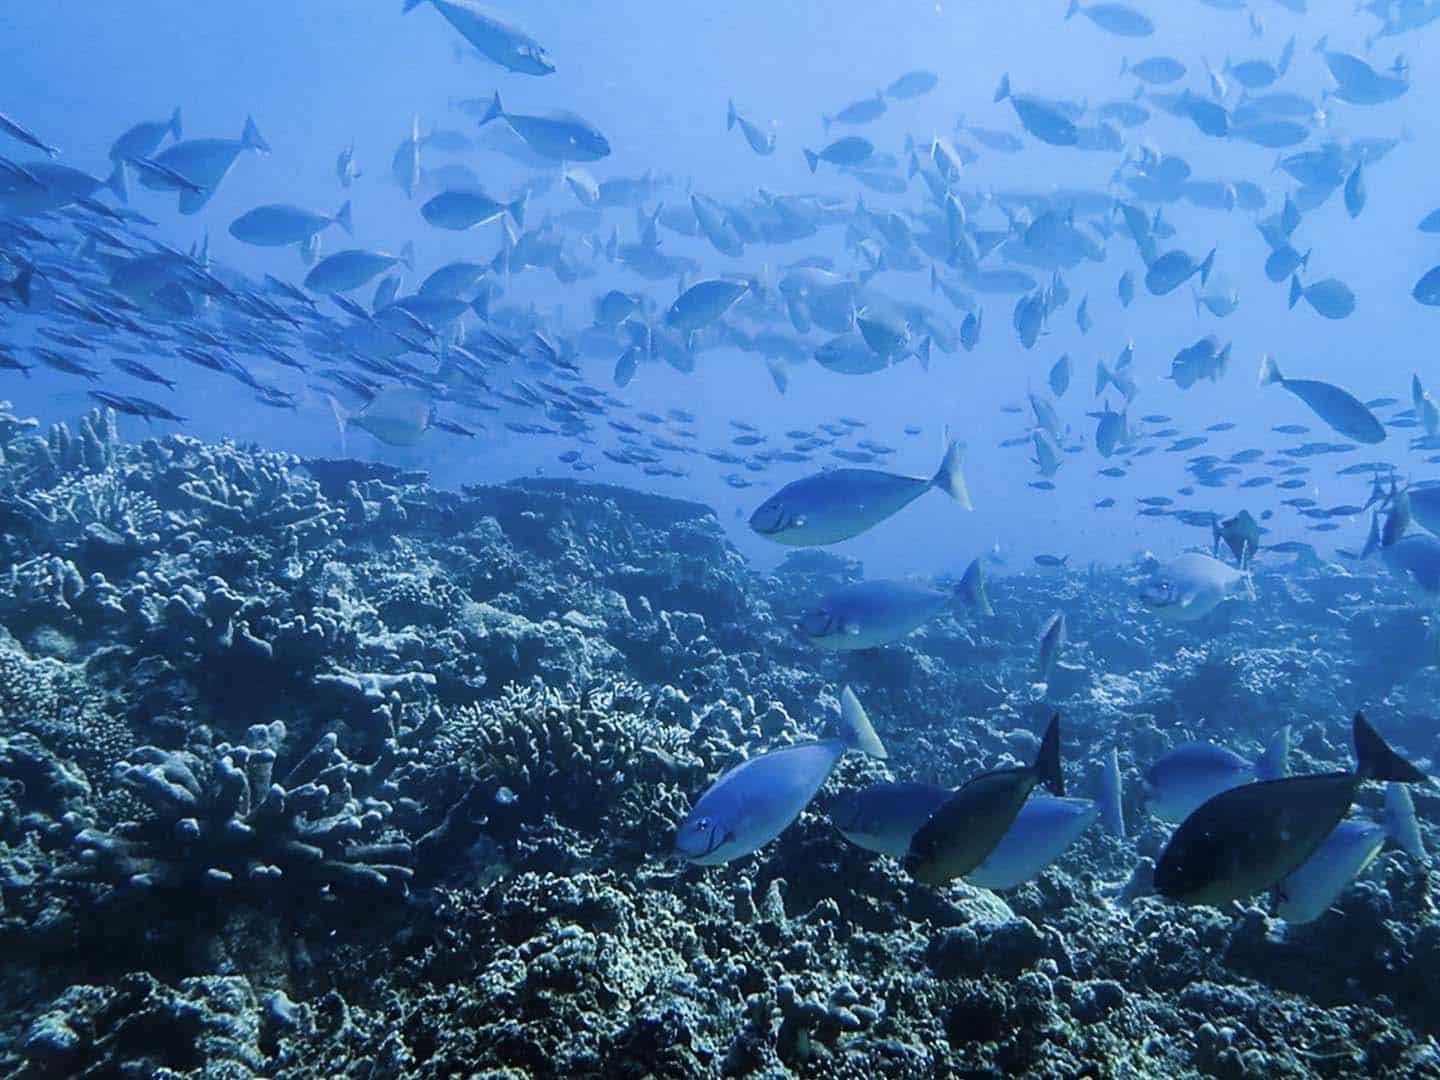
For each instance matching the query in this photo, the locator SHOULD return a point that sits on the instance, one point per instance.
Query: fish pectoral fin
(1188, 599)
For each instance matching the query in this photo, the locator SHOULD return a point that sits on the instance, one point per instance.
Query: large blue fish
(757, 800)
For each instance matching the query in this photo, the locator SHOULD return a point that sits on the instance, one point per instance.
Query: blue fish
(755, 801)
(1180, 780)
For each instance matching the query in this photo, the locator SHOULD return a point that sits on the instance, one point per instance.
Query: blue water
(655, 77)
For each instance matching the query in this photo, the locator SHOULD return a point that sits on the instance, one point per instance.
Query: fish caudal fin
(1400, 823)
(343, 219)
(812, 159)
(1274, 763)
(1072, 9)
(517, 208)
(1376, 761)
(1270, 371)
(950, 477)
(1047, 762)
(411, 5)
(116, 183)
(252, 139)
(407, 255)
(342, 420)
(496, 111)
(1112, 795)
(1003, 90)
(972, 588)
(855, 728)
(176, 127)
(730, 115)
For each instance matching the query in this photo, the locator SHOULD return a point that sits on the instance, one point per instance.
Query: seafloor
(310, 770)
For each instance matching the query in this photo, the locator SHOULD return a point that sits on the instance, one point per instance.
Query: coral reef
(310, 770)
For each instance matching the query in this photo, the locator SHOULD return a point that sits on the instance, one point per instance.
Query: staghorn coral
(221, 819)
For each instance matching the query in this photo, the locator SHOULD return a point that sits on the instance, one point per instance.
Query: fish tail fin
(1270, 371)
(1373, 541)
(972, 588)
(1247, 580)
(1103, 378)
(1400, 823)
(730, 115)
(517, 208)
(812, 159)
(410, 5)
(1124, 65)
(342, 420)
(407, 255)
(827, 121)
(310, 249)
(855, 728)
(116, 183)
(252, 139)
(496, 111)
(1274, 763)
(344, 220)
(1295, 290)
(923, 352)
(950, 477)
(1047, 761)
(778, 374)
(1377, 761)
(1003, 90)
(1206, 267)
(24, 281)
(1072, 9)
(481, 304)
(1112, 795)
(176, 127)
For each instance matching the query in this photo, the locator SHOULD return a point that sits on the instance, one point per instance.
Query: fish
(763, 143)
(1250, 838)
(460, 209)
(885, 816)
(1060, 376)
(861, 112)
(836, 505)
(16, 130)
(1329, 297)
(1118, 19)
(1171, 270)
(347, 270)
(755, 801)
(492, 35)
(142, 140)
(1040, 118)
(962, 832)
(912, 84)
(1178, 782)
(558, 134)
(1155, 70)
(203, 163)
(1308, 892)
(280, 224)
(1338, 408)
(850, 151)
(1190, 587)
(870, 614)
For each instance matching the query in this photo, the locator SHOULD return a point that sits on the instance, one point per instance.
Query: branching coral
(220, 819)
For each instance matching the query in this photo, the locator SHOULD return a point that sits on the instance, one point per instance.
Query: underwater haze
(649, 539)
